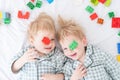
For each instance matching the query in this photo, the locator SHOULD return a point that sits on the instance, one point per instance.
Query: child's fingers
(39, 53)
(42, 78)
(30, 50)
(81, 68)
(78, 67)
(84, 72)
(33, 56)
(33, 50)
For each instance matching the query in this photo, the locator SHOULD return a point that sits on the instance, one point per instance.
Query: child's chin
(47, 52)
(73, 58)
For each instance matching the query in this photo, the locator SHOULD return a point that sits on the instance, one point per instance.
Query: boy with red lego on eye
(42, 60)
(85, 61)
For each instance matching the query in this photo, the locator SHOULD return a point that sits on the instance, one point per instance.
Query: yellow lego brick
(0, 15)
(118, 58)
(107, 3)
(94, 2)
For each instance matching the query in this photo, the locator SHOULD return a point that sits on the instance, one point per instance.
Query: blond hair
(69, 28)
(42, 22)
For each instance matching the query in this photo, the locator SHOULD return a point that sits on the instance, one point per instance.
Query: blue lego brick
(50, 1)
(118, 48)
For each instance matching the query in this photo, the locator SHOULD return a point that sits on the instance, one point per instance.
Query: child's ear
(31, 40)
(84, 41)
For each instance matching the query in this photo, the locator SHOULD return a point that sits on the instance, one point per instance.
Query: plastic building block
(100, 21)
(107, 3)
(93, 16)
(0, 21)
(102, 1)
(46, 40)
(111, 14)
(26, 16)
(30, 5)
(23, 16)
(50, 1)
(118, 47)
(20, 15)
(89, 9)
(118, 58)
(38, 3)
(73, 45)
(116, 22)
(33, 0)
(119, 33)
(94, 2)
(7, 20)
(4, 15)
(8, 15)
(1, 15)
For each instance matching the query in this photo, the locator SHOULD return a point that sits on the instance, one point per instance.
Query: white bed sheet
(13, 36)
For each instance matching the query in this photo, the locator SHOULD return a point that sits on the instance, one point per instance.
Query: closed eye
(52, 39)
(65, 49)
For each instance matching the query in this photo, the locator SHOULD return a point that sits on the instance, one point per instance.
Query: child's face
(44, 41)
(78, 52)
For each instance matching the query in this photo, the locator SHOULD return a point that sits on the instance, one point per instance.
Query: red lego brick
(102, 1)
(116, 22)
(46, 40)
(20, 14)
(23, 16)
(26, 16)
(33, 0)
(93, 16)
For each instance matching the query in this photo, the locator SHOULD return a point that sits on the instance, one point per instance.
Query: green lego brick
(73, 45)
(7, 20)
(107, 3)
(94, 2)
(89, 9)
(111, 14)
(119, 33)
(30, 5)
(38, 3)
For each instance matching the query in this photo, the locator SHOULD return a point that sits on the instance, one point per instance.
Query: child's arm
(28, 56)
(52, 77)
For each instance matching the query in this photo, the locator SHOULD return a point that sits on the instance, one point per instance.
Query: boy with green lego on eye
(85, 61)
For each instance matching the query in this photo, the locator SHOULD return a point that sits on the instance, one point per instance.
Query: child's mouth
(73, 55)
(48, 48)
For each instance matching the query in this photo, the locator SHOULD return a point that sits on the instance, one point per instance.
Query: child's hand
(52, 77)
(79, 72)
(30, 55)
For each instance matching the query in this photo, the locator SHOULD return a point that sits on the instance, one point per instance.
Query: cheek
(53, 45)
(38, 43)
(66, 54)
